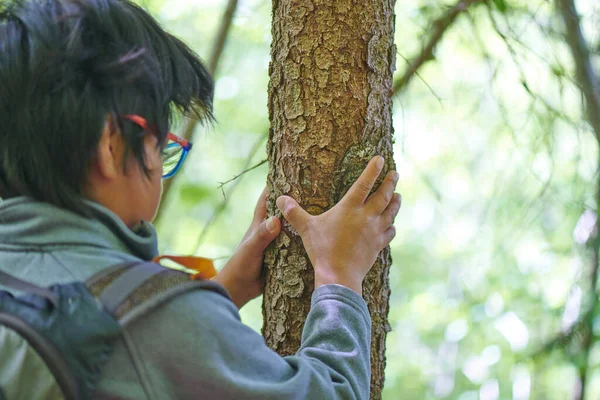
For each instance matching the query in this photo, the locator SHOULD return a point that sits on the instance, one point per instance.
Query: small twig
(439, 99)
(221, 184)
(219, 210)
(440, 27)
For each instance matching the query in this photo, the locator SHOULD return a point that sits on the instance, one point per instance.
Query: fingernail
(281, 202)
(380, 162)
(271, 224)
(395, 176)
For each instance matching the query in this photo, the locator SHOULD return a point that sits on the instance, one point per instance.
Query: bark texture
(331, 110)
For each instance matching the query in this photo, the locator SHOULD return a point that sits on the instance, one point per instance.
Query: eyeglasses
(175, 151)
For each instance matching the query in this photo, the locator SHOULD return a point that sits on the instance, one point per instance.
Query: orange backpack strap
(203, 267)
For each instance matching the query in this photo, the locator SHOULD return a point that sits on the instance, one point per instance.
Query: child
(87, 91)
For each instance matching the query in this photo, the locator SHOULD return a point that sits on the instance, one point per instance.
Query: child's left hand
(242, 275)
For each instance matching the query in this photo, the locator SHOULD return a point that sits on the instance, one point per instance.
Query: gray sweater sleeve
(196, 347)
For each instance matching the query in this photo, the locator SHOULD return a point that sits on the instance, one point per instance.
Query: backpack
(60, 337)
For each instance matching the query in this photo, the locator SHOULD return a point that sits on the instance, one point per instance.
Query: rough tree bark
(331, 110)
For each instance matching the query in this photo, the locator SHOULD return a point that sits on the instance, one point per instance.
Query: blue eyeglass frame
(185, 144)
(185, 152)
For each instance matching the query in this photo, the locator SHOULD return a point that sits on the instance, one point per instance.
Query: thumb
(267, 231)
(293, 213)
(257, 242)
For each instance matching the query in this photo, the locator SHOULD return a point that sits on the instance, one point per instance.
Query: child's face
(128, 192)
(145, 191)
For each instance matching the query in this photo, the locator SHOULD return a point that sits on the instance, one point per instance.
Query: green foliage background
(498, 175)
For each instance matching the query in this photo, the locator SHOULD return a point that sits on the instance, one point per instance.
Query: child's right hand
(343, 243)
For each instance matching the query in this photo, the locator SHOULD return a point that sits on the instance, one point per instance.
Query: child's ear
(110, 151)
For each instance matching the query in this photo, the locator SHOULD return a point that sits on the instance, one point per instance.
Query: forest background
(495, 258)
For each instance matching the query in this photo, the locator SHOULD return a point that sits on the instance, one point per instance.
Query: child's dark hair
(65, 65)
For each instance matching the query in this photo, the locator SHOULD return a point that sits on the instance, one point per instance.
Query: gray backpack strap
(174, 290)
(127, 283)
(132, 290)
(18, 284)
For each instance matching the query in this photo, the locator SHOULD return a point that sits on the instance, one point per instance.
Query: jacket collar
(28, 223)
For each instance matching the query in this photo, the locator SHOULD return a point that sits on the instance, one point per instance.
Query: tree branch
(585, 74)
(222, 35)
(213, 63)
(215, 55)
(440, 27)
(589, 83)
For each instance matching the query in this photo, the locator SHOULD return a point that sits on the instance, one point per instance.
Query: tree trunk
(331, 110)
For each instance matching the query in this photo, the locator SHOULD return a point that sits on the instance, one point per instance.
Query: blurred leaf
(501, 5)
(193, 194)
